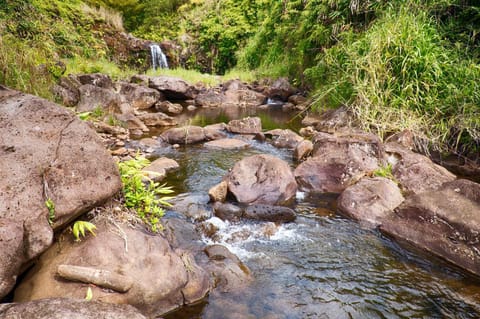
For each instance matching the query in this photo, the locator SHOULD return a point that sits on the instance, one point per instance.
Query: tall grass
(24, 68)
(402, 74)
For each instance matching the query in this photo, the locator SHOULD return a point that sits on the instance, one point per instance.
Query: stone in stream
(227, 211)
(280, 89)
(370, 200)
(227, 144)
(302, 150)
(137, 267)
(157, 119)
(229, 272)
(184, 135)
(444, 222)
(47, 153)
(158, 169)
(284, 138)
(169, 107)
(278, 214)
(248, 125)
(193, 206)
(218, 193)
(61, 308)
(339, 161)
(262, 179)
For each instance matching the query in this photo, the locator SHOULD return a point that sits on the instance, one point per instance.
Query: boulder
(280, 89)
(169, 107)
(157, 119)
(218, 193)
(226, 144)
(122, 265)
(331, 121)
(138, 96)
(262, 179)
(370, 200)
(248, 125)
(243, 98)
(61, 308)
(229, 272)
(92, 97)
(173, 88)
(210, 98)
(302, 150)
(96, 79)
(132, 122)
(277, 214)
(47, 153)
(227, 211)
(444, 222)
(284, 138)
(184, 135)
(193, 206)
(339, 161)
(416, 173)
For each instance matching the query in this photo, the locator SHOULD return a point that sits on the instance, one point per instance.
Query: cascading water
(159, 59)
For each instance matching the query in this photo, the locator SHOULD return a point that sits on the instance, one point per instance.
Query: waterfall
(158, 57)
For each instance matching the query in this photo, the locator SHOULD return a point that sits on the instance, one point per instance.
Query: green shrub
(142, 194)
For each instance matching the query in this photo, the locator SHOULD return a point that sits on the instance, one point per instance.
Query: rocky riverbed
(48, 153)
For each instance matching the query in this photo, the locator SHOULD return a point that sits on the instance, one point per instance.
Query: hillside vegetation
(396, 64)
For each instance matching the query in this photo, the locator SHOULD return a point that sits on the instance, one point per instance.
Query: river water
(322, 265)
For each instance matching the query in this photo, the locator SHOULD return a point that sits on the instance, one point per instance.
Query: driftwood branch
(99, 277)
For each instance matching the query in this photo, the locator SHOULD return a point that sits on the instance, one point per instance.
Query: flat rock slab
(61, 308)
(190, 134)
(444, 222)
(158, 169)
(277, 214)
(226, 144)
(262, 179)
(47, 153)
(173, 88)
(370, 200)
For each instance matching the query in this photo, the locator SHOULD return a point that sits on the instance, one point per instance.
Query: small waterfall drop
(159, 59)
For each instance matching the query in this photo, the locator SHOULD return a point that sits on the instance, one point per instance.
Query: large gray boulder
(444, 222)
(173, 88)
(184, 135)
(262, 179)
(61, 308)
(247, 125)
(280, 89)
(370, 200)
(46, 153)
(124, 265)
(339, 161)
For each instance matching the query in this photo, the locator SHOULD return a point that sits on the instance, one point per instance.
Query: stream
(322, 265)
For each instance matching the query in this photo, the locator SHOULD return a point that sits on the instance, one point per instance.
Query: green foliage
(142, 194)
(79, 228)
(401, 74)
(96, 114)
(51, 210)
(89, 294)
(385, 171)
